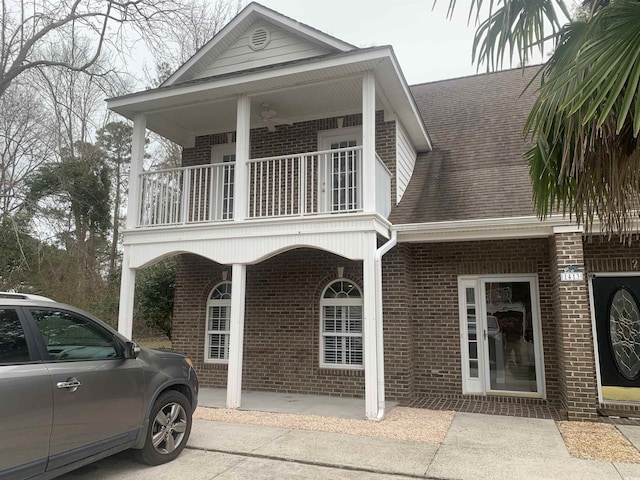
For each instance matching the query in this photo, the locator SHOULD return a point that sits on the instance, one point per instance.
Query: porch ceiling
(295, 104)
(298, 91)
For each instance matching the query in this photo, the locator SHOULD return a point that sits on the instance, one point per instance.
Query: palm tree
(585, 156)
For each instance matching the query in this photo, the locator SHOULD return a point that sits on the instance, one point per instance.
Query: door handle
(72, 384)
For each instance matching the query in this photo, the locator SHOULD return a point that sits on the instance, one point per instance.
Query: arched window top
(342, 289)
(222, 291)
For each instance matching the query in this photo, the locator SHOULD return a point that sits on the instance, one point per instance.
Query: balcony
(298, 185)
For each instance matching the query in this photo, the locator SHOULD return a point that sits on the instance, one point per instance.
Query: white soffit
(199, 98)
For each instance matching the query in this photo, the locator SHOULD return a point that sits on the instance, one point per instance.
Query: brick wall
(421, 318)
(434, 306)
(578, 389)
(396, 297)
(282, 329)
(300, 137)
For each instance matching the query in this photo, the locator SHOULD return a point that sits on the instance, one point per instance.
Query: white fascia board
(305, 31)
(133, 102)
(217, 38)
(482, 229)
(415, 113)
(249, 15)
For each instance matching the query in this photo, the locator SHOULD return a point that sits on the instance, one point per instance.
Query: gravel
(587, 440)
(401, 423)
(597, 441)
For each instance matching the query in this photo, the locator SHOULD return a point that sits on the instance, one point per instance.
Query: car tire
(169, 428)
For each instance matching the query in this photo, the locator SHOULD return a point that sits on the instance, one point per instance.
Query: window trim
(340, 302)
(207, 339)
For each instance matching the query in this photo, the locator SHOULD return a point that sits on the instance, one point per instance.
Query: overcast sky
(428, 46)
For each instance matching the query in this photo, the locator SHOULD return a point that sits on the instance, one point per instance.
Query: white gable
(229, 50)
(273, 46)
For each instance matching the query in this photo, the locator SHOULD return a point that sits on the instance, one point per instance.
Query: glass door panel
(509, 336)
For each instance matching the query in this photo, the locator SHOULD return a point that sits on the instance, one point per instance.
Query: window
(71, 337)
(218, 324)
(13, 343)
(341, 326)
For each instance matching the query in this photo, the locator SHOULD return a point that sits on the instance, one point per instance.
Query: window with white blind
(218, 324)
(341, 326)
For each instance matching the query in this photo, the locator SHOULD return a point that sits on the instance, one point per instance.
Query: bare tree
(24, 145)
(175, 43)
(30, 31)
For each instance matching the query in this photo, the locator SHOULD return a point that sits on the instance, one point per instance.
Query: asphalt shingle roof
(476, 169)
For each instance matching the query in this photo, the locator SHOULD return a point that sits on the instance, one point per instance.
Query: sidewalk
(475, 447)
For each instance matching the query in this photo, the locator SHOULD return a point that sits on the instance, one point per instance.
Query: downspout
(379, 324)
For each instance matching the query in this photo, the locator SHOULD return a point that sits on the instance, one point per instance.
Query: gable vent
(259, 39)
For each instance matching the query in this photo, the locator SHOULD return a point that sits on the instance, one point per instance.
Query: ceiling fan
(270, 119)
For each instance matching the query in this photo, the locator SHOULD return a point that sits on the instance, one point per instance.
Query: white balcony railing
(292, 185)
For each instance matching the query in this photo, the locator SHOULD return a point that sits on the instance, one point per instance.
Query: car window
(69, 336)
(13, 343)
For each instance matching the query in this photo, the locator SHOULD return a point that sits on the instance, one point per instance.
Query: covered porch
(292, 403)
(343, 407)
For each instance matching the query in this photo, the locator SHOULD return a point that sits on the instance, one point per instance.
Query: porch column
(236, 335)
(127, 292)
(372, 401)
(576, 358)
(137, 159)
(369, 142)
(240, 184)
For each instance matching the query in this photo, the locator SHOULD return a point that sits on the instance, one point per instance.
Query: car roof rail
(24, 296)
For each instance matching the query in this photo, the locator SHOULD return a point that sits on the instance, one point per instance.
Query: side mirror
(131, 350)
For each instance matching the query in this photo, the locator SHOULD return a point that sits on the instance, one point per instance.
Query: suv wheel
(169, 428)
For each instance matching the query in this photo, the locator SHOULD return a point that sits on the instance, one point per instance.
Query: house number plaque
(571, 274)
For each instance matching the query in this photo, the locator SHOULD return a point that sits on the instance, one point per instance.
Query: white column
(127, 292)
(236, 335)
(240, 185)
(372, 402)
(137, 159)
(369, 142)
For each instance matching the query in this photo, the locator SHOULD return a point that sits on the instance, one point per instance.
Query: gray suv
(73, 390)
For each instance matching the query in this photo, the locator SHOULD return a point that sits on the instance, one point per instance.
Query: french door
(224, 158)
(341, 170)
(500, 335)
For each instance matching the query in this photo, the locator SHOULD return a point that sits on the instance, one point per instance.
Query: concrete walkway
(475, 447)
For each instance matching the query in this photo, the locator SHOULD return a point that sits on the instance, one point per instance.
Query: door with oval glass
(616, 301)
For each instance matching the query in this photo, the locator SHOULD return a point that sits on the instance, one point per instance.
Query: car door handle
(72, 384)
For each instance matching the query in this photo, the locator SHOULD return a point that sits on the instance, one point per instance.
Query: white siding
(283, 47)
(405, 160)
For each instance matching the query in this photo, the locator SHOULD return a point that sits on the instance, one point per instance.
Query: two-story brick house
(341, 233)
